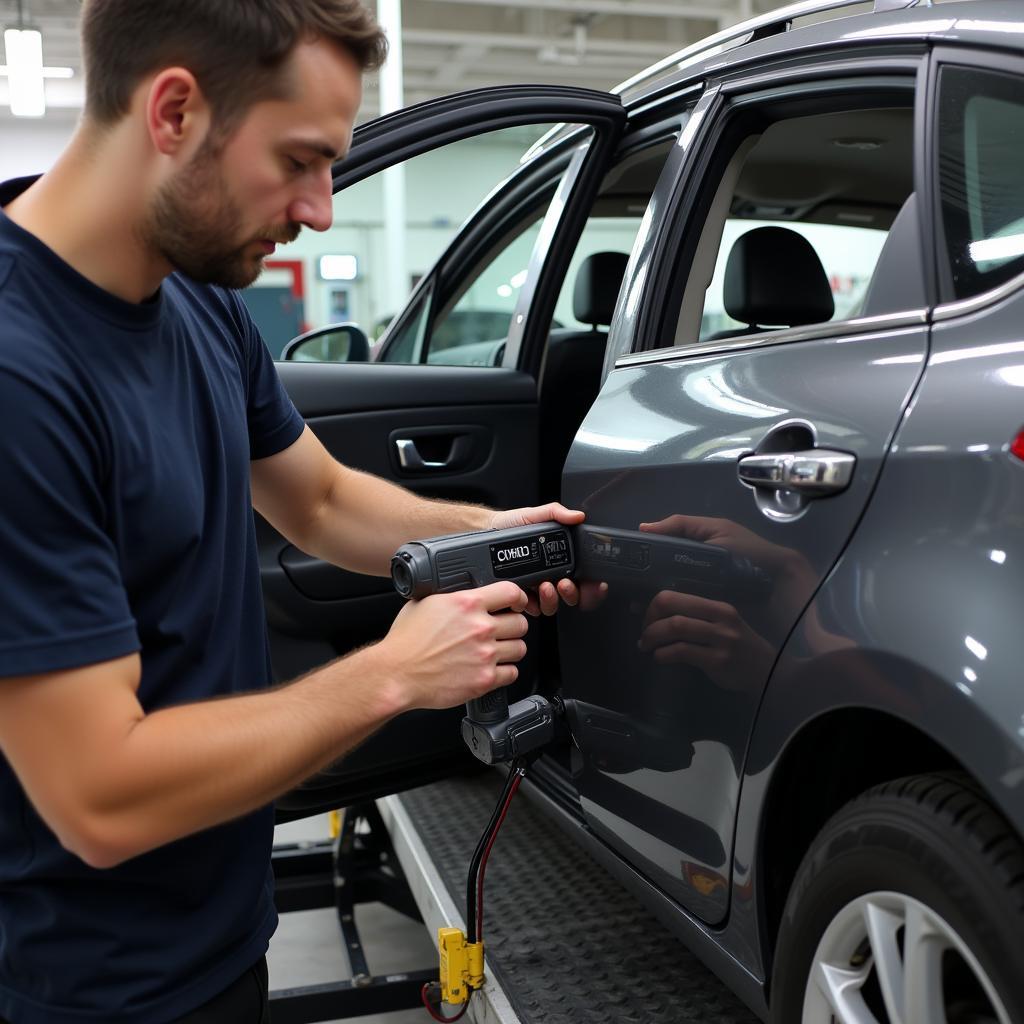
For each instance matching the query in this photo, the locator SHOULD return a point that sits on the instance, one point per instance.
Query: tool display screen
(531, 554)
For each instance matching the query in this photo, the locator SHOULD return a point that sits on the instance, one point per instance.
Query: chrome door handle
(815, 473)
(462, 449)
(409, 457)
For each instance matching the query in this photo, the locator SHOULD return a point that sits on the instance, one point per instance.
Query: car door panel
(664, 441)
(317, 611)
(663, 680)
(373, 403)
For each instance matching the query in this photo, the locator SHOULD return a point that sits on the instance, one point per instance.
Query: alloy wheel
(887, 958)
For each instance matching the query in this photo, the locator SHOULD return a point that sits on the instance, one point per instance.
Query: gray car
(798, 733)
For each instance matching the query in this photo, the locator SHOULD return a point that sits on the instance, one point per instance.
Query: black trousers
(245, 1001)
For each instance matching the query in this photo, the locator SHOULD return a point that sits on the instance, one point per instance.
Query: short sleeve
(274, 422)
(62, 599)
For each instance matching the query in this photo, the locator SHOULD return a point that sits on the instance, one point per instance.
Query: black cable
(474, 864)
(474, 918)
(518, 774)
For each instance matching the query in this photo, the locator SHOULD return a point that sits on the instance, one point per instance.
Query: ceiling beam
(451, 70)
(626, 8)
(510, 41)
(606, 64)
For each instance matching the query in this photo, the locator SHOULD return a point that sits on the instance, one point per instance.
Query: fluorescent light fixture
(25, 72)
(339, 267)
(57, 72)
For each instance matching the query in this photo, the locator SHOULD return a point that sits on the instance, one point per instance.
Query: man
(144, 418)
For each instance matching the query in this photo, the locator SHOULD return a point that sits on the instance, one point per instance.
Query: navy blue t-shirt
(126, 433)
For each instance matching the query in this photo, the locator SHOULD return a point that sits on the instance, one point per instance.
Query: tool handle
(491, 707)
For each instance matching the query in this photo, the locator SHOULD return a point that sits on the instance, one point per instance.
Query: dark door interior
(482, 422)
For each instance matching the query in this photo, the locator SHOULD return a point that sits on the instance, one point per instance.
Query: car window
(484, 310)
(602, 233)
(362, 270)
(848, 256)
(980, 162)
(797, 216)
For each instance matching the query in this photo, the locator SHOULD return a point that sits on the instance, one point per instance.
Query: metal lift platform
(565, 943)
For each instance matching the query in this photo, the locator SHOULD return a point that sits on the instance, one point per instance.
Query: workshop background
(438, 47)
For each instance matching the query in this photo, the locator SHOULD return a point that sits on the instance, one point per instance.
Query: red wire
(440, 1016)
(483, 862)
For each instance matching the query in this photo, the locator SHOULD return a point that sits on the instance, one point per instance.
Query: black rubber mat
(568, 943)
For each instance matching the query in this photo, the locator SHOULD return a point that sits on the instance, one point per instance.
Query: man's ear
(177, 113)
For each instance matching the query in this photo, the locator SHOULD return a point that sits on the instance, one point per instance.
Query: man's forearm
(187, 768)
(366, 519)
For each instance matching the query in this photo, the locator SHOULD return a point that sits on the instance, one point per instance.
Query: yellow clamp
(462, 965)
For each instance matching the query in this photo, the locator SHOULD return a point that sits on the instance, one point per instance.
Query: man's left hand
(544, 601)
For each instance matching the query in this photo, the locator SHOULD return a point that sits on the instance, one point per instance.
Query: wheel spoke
(841, 986)
(882, 927)
(923, 946)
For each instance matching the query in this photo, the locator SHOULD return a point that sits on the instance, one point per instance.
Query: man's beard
(194, 224)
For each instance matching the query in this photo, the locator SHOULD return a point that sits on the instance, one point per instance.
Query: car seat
(774, 278)
(570, 377)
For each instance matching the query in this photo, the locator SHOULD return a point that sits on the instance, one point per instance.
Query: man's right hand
(450, 648)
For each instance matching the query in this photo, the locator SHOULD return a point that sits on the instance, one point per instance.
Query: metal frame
(489, 1004)
(356, 867)
(765, 24)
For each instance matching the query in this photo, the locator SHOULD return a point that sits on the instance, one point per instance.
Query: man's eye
(296, 165)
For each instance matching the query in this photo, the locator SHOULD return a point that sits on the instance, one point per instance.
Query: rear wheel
(907, 909)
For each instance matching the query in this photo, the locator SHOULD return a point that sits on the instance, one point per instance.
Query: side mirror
(336, 343)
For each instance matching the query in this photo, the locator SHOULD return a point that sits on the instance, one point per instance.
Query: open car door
(459, 432)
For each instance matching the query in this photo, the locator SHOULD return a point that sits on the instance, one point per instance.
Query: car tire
(911, 898)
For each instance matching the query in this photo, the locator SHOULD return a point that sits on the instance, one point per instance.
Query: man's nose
(313, 206)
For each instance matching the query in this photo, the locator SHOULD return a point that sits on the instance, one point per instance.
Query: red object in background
(1017, 448)
(294, 267)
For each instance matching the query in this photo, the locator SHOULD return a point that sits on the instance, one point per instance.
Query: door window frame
(948, 306)
(650, 313)
(429, 126)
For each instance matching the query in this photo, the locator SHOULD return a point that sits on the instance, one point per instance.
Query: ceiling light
(25, 72)
(340, 266)
(57, 72)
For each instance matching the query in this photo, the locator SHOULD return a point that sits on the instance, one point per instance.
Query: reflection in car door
(664, 679)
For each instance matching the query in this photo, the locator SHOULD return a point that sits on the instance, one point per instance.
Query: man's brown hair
(235, 48)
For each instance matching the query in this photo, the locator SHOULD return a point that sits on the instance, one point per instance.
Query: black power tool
(529, 555)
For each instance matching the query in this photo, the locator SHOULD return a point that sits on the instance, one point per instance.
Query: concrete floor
(307, 948)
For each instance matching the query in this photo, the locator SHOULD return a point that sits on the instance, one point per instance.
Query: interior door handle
(814, 474)
(410, 459)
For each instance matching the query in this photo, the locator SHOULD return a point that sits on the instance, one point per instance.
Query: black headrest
(597, 287)
(774, 278)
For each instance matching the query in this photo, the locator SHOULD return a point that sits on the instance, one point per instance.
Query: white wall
(31, 146)
(442, 189)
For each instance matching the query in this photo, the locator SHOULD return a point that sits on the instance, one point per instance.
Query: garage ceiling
(451, 45)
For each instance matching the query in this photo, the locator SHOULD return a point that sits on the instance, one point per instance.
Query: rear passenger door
(773, 336)
(460, 432)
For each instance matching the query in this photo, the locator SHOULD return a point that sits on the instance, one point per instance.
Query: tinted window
(798, 214)
(981, 176)
(847, 254)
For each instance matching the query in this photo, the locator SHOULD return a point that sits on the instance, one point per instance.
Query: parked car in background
(804, 350)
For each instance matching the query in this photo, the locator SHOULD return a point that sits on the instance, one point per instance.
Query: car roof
(984, 23)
